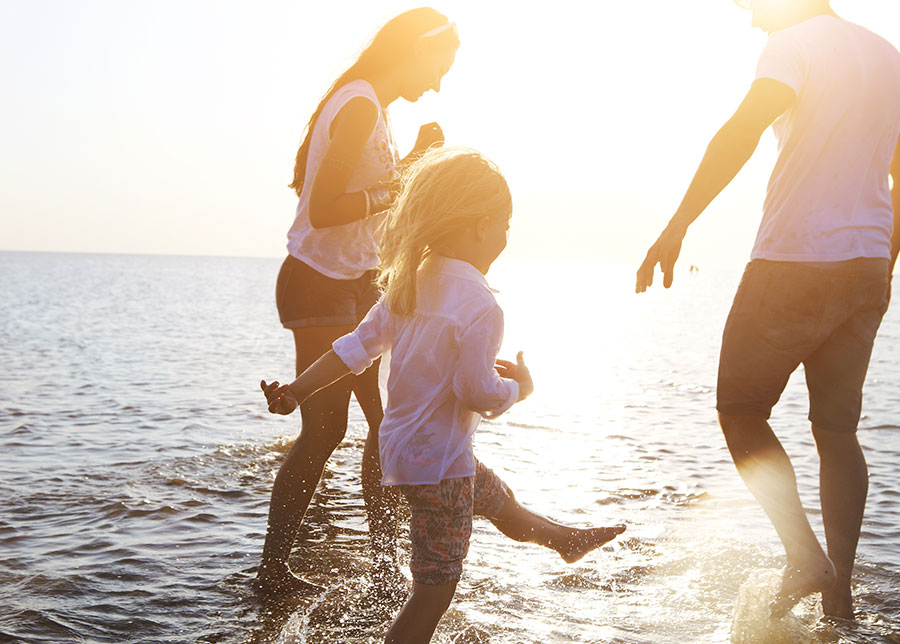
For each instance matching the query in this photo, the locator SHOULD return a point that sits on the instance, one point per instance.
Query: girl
(443, 327)
(326, 284)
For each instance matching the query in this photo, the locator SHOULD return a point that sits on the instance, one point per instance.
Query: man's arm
(895, 199)
(726, 154)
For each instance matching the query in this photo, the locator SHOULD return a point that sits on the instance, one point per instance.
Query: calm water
(136, 460)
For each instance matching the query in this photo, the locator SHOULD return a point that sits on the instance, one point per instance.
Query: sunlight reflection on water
(150, 526)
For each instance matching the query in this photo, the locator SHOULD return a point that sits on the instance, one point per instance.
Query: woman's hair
(442, 192)
(391, 46)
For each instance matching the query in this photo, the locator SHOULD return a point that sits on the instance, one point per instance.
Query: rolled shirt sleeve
(476, 383)
(365, 344)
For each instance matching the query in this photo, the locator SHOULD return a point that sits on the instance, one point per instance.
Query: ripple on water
(133, 510)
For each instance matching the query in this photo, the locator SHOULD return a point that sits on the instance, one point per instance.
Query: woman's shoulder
(358, 95)
(359, 88)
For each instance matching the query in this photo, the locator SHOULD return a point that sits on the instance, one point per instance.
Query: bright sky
(171, 126)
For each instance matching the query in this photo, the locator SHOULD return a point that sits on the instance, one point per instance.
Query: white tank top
(349, 250)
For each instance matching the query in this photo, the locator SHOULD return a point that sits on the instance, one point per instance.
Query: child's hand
(280, 397)
(518, 372)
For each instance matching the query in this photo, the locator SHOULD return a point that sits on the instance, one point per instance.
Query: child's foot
(580, 541)
(279, 580)
(797, 583)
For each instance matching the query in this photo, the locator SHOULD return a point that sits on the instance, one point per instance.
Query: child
(443, 327)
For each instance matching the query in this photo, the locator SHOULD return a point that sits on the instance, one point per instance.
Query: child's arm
(517, 371)
(284, 399)
(352, 353)
(477, 383)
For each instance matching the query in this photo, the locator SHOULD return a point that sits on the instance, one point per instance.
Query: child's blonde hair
(442, 192)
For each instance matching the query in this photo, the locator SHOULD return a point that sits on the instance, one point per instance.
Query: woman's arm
(329, 202)
(430, 135)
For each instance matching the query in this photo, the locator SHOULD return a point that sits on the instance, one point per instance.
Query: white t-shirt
(442, 373)
(346, 251)
(829, 198)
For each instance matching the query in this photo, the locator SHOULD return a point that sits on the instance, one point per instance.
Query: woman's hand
(280, 397)
(430, 135)
(517, 371)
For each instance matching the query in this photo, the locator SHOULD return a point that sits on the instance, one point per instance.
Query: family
(388, 256)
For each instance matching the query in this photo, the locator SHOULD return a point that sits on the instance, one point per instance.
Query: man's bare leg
(768, 473)
(843, 486)
(521, 524)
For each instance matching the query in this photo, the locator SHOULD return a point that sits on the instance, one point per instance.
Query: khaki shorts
(440, 523)
(823, 315)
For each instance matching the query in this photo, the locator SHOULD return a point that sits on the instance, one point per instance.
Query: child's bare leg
(416, 621)
(521, 524)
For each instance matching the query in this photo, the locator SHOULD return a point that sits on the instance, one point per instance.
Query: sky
(171, 126)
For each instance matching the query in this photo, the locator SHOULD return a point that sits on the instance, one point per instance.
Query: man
(818, 281)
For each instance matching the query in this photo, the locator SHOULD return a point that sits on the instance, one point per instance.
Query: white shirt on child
(829, 198)
(441, 375)
(347, 251)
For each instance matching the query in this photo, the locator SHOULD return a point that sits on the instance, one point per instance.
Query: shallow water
(136, 460)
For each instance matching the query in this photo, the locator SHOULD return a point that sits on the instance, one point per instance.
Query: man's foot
(580, 541)
(838, 602)
(797, 583)
(279, 580)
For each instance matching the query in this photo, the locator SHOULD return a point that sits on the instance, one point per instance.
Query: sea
(137, 458)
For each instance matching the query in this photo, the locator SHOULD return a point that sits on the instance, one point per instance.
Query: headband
(439, 30)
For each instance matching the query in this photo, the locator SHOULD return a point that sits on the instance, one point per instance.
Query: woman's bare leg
(324, 418)
(381, 502)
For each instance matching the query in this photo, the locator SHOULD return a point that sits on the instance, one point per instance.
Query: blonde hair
(442, 192)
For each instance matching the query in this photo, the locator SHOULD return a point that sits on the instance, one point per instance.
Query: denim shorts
(305, 297)
(440, 523)
(823, 315)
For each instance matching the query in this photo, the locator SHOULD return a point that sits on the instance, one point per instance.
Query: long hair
(392, 44)
(442, 192)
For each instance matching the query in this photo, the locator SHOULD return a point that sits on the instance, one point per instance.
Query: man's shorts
(824, 315)
(305, 297)
(440, 522)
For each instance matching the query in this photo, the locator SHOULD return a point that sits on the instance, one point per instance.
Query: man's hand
(280, 397)
(517, 371)
(665, 253)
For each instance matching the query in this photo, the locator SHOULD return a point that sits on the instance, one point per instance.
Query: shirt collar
(457, 268)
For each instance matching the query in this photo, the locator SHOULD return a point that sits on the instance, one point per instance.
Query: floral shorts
(441, 521)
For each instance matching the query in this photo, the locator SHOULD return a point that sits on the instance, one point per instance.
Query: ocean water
(137, 457)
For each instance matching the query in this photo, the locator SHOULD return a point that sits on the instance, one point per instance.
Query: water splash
(752, 622)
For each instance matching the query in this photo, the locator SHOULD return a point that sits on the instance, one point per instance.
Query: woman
(342, 177)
